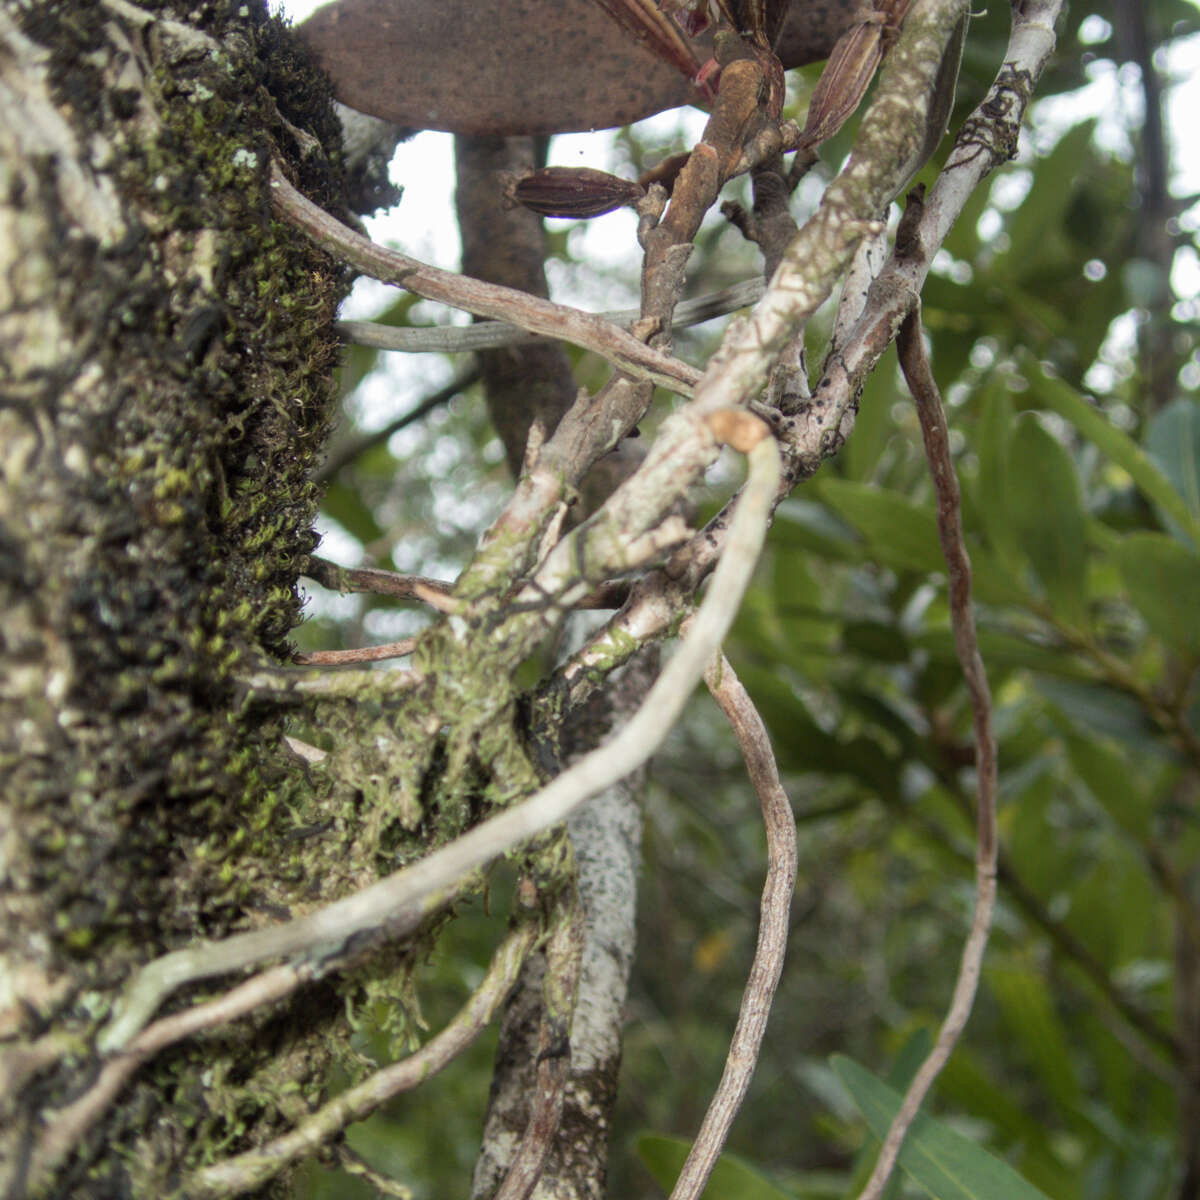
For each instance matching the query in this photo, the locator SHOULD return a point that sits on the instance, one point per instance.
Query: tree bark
(166, 351)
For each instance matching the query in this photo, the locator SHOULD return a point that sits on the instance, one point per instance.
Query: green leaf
(1173, 442)
(995, 431)
(802, 745)
(1095, 709)
(1039, 227)
(732, 1179)
(1110, 778)
(1046, 507)
(1007, 650)
(902, 534)
(1034, 1028)
(912, 1054)
(1163, 580)
(946, 1164)
(802, 525)
(873, 428)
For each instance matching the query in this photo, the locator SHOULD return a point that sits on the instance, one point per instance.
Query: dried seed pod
(850, 70)
(574, 192)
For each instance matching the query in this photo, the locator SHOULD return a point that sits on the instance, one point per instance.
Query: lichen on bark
(166, 350)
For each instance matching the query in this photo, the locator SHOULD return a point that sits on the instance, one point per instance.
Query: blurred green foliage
(1050, 313)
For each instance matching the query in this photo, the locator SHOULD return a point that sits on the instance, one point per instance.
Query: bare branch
(626, 353)
(767, 966)
(936, 436)
(560, 985)
(373, 580)
(986, 140)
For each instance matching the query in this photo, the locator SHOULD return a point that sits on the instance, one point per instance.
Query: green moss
(173, 807)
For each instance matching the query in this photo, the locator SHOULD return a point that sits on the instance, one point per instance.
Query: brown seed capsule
(850, 69)
(574, 192)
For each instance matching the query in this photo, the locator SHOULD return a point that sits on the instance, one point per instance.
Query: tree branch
(919, 377)
(560, 985)
(767, 966)
(986, 140)
(399, 902)
(360, 654)
(255, 1167)
(626, 353)
(374, 580)
(461, 339)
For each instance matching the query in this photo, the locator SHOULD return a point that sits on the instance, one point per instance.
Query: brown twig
(625, 352)
(373, 580)
(915, 364)
(361, 654)
(755, 745)
(255, 1167)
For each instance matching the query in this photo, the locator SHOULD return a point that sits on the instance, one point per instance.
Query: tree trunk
(167, 353)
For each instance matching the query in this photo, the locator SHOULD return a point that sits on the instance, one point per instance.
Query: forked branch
(399, 902)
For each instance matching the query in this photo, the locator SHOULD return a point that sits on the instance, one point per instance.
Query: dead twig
(915, 364)
(374, 580)
(755, 745)
(338, 658)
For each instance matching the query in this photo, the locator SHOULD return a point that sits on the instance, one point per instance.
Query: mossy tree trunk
(167, 354)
